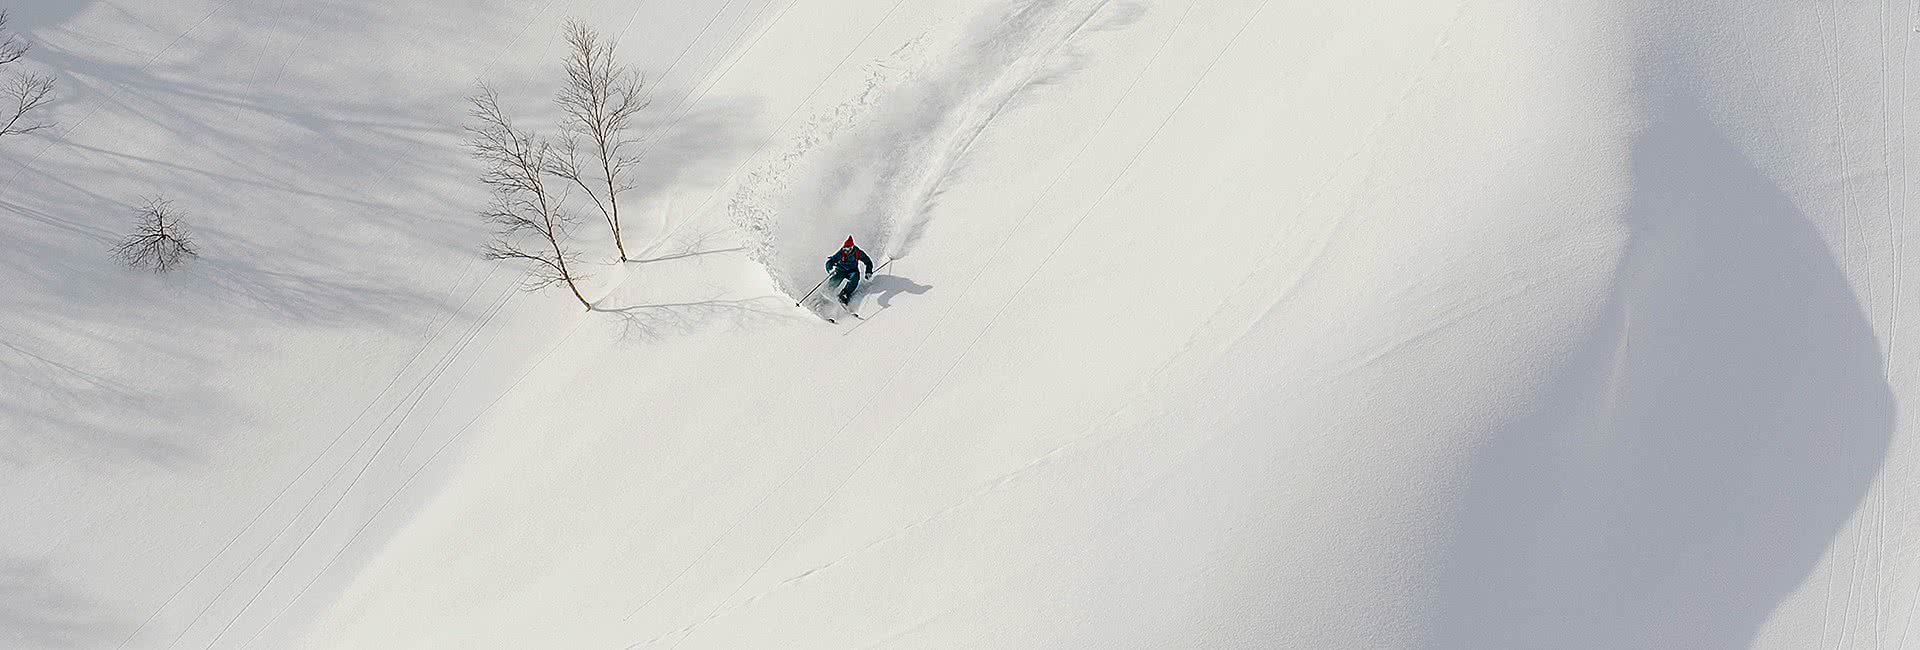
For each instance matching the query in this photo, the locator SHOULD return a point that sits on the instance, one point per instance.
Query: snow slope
(1213, 323)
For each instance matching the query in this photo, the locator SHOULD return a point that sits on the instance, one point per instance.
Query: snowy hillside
(1204, 323)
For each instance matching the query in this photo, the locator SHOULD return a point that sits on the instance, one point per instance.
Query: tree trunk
(617, 244)
(613, 200)
(576, 294)
(567, 274)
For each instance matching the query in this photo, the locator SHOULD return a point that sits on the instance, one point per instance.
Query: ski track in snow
(873, 165)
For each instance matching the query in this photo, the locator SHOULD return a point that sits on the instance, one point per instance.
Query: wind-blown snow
(1214, 323)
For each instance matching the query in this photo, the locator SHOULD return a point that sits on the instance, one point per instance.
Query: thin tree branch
(599, 101)
(159, 240)
(27, 93)
(11, 49)
(515, 169)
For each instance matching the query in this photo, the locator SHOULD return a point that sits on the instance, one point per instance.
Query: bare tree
(159, 241)
(26, 93)
(532, 223)
(600, 99)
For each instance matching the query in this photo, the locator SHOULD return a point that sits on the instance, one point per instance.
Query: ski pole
(823, 282)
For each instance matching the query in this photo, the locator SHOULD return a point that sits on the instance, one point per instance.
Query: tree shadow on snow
(688, 254)
(36, 611)
(60, 405)
(326, 187)
(30, 16)
(656, 321)
(1704, 444)
(107, 363)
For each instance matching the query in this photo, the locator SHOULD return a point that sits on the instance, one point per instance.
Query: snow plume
(873, 166)
(759, 201)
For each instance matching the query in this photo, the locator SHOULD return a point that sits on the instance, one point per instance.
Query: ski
(831, 319)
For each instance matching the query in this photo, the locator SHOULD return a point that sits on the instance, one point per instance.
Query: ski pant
(847, 284)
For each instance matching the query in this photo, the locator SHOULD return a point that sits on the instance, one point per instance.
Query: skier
(845, 266)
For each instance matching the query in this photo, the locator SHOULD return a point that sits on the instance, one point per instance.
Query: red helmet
(849, 243)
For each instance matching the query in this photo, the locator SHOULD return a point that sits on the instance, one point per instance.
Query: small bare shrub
(160, 240)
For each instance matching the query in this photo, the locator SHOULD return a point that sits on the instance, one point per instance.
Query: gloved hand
(869, 276)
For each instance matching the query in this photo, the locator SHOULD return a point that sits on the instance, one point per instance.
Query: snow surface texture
(1215, 323)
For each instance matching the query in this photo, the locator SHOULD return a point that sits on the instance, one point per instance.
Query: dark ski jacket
(847, 262)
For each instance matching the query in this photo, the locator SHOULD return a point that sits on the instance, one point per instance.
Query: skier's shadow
(884, 288)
